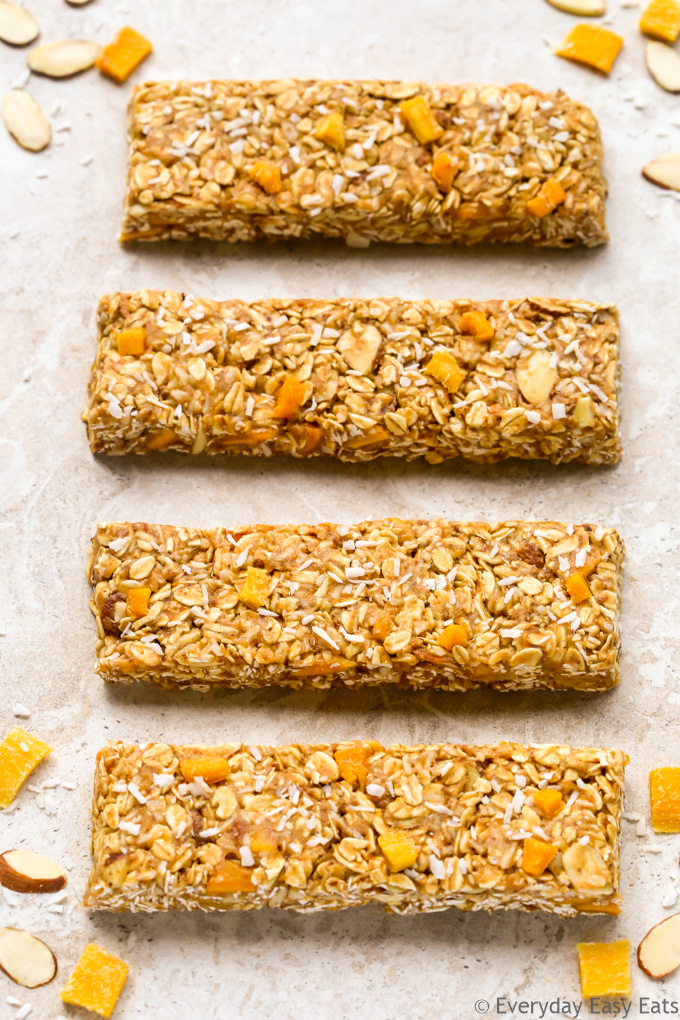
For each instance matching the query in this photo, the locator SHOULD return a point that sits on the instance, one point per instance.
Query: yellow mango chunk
(121, 57)
(212, 768)
(132, 341)
(262, 842)
(604, 968)
(267, 175)
(138, 602)
(477, 325)
(661, 20)
(577, 587)
(419, 117)
(444, 170)
(322, 666)
(399, 849)
(96, 982)
(548, 198)
(536, 856)
(353, 764)
(255, 589)
(443, 367)
(454, 634)
(331, 130)
(592, 45)
(20, 752)
(229, 877)
(290, 398)
(548, 802)
(664, 798)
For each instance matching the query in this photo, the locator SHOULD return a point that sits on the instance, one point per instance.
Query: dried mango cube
(20, 752)
(454, 634)
(255, 588)
(353, 764)
(604, 968)
(331, 130)
(138, 602)
(229, 877)
(664, 797)
(267, 175)
(121, 57)
(131, 341)
(399, 849)
(96, 982)
(536, 856)
(548, 802)
(477, 325)
(290, 398)
(592, 45)
(419, 117)
(661, 20)
(443, 367)
(444, 170)
(212, 768)
(577, 587)
(550, 195)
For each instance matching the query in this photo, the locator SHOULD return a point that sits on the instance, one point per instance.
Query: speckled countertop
(59, 217)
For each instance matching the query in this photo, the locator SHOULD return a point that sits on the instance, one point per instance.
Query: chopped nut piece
(131, 341)
(548, 802)
(419, 116)
(604, 968)
(585, 868)
(267, 175)
(290, 398)
(443, 367)
(444, 169)
(138, 602)
(549, 197)
(592, 45)
(20, 752)
(658, 954)
(97, 981)
(359, 347)
(26, 959)
(577, 587)
(664, 171)
(536, 376)
(536, 856)
(331, 130)
(212, 769)
(663, 63)
(63, 58)
(661, 20)
(477, 325)
(124, 55)
(28, 872)
(454, 634)
(664, 796)
(253, 593)
(25, 120)
(17, 25)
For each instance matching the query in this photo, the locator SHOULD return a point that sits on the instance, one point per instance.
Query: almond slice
(17, 25)
(25, 120)
(659, 952)
(536, 376)
(77, 3)
(583, 8)
(664, 171)
(663, 63)
(24, 871)
(26, 959)
(64, 58)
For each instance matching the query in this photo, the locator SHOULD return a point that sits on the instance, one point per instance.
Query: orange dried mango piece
(318, 667)
(382, 625)
(477, 325)
(120, 58)
(548, 198)
(96, 982)
(309, 436)
(212, 768)
(536, 856)
(592, 45)
(229, 877)
(353, 764)
(664, 798)
(161, 440)
(20, 752)
(263, 842)
(548, 802)
(577, 587)
(604, 968)
(132, 341)
(474, 211)
(443, 367)
(399, 848)
(254, 591)
(267, 175)
(444, 170)
(138, 602)
(331, 130)
(290, 398)
(661, 20)
(454, 634)
(370, 438)
(419, 117)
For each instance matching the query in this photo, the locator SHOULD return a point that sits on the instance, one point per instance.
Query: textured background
(58, 228)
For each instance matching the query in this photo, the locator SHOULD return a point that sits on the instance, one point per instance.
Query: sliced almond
(586, 870)
(663, 63)
(659, 952)
(17, 25)
(77, 3)
(25, 871)
(536, 376)
(664, 171)
(64, 58)
(360, 349)
(26, 959)
(583, 8)
(25, 120)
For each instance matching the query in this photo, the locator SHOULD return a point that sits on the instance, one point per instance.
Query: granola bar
(314, 826)
(356, 379)
(362, 160)
(514, 605)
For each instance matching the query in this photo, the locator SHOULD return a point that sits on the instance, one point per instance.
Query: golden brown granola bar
(363, 160)
(356, 379)
(314, 826)
(514, 605)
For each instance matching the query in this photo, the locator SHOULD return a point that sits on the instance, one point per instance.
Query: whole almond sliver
(64, 58)
(17, 25)
(25, 120)
(663, 63)
(664, 171)
(582, 8)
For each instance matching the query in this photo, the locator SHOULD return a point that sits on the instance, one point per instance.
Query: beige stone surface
(59, 255)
